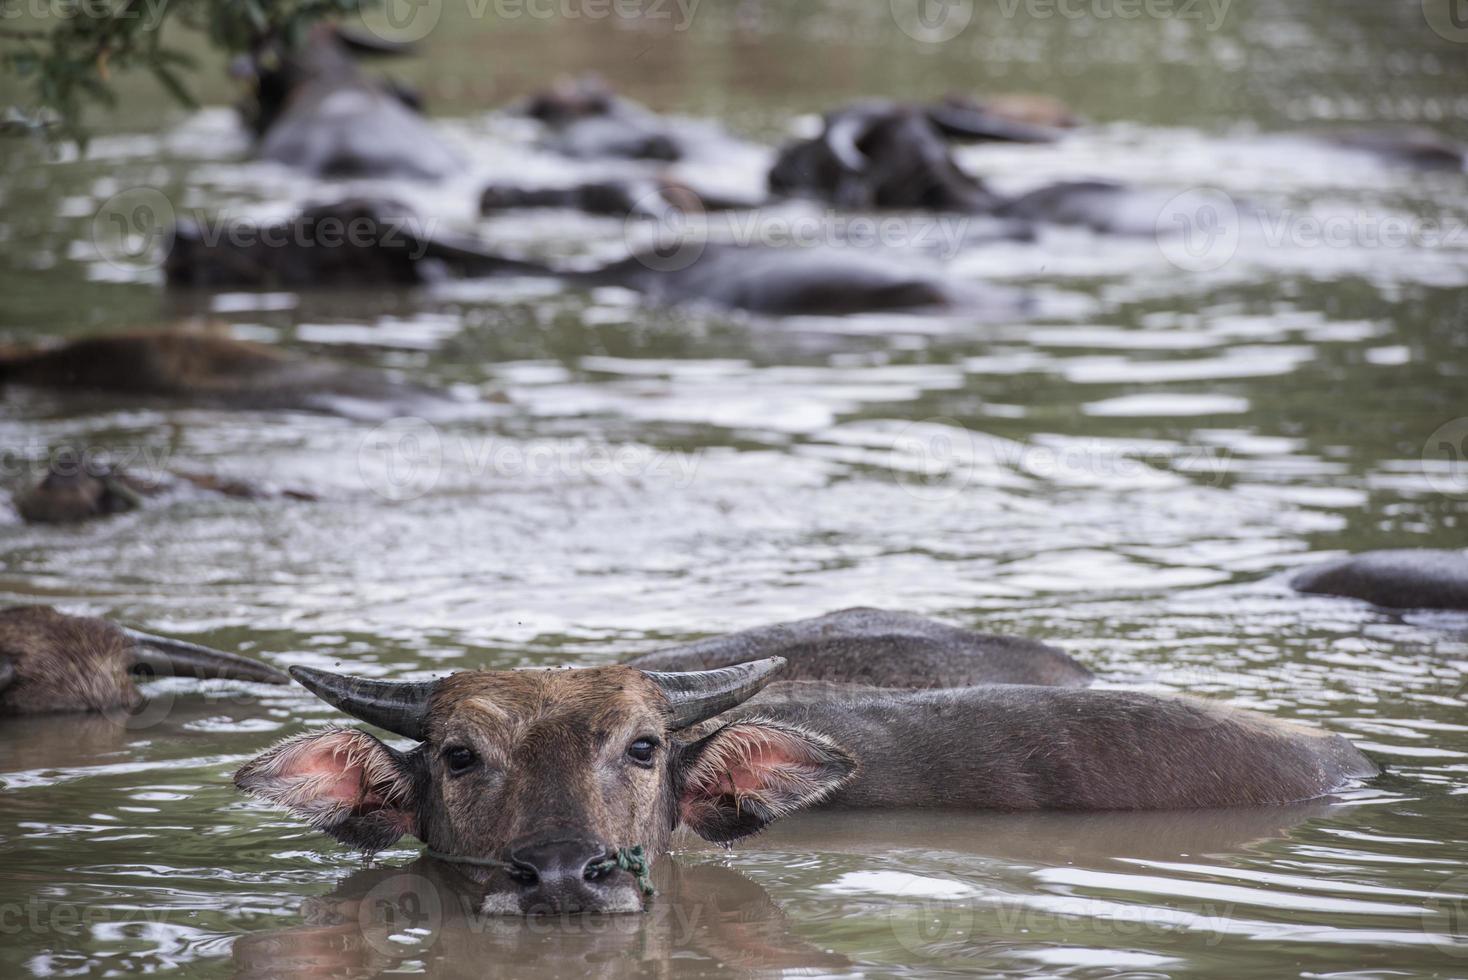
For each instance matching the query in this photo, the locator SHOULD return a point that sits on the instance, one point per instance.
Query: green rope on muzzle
(633, 860)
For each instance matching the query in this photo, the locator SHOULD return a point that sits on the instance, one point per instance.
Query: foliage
(69, 49)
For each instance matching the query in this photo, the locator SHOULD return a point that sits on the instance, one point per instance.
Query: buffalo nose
(562, 873)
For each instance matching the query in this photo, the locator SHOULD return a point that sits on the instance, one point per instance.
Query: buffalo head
(532, 781)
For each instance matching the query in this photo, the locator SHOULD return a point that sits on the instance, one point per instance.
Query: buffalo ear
(738, 778)
(344, 781)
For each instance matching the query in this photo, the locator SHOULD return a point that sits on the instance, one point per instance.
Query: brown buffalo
(538, 783)
(208, 368)
(52, 662)
(76, 490)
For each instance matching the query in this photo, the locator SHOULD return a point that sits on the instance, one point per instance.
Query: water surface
(1130, 474)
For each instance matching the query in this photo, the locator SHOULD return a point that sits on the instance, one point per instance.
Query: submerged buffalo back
(1033, 748)
(880, 648)
(1407, 578)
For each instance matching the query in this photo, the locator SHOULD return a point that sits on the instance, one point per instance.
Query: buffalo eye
(459, 759)
(643, 751)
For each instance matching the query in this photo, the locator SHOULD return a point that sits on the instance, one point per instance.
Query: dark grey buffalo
(350, 242)
(584, 118)
(893, 155)
(51, 662)
(541, 784)
(315, 110)
(213, 370)
(880, 648)
(373, 243)
(1407, 578)
(1417, 148)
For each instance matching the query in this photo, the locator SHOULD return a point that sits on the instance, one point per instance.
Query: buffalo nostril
(523, 874)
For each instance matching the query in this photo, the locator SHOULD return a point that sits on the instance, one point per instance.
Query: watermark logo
(1445, 459)
(1445, 917)
(404, 21)
(1447, 18)
(401, 459)
(933, 460)
(932, 21)
(401, 914)
(134, 228)
(680, 232)
(1198, 230)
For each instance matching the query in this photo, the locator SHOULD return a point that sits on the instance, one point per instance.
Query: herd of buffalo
(531, 782)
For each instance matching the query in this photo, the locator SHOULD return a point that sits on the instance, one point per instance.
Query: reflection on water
(1129, 473)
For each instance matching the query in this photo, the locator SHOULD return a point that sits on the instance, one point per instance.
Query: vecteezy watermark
(405, 21)
(401, 459)
(1447, 18)
(134, 228)
(37, 917)
(674, 238)
(1445, 458)
(1445, 916)
(139, 229)
(932, 21)
(405, 458)
(401, 914)
(936, 21)
(1199, 229)
(150, 12)
(934, 459)
(36, 460)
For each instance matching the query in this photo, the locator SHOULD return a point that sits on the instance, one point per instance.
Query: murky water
(1128, 474)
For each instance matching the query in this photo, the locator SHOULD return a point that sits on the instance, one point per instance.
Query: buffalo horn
(400, 707)
(697, 695)
(175, 658)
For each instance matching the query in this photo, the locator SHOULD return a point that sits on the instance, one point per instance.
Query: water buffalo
(801, 281)
(76, 490)
(1406, 578)
(654, 197)
(1413, 147)
(51, 662)
(210, 369)
(350, 242)
(586, 119)
(315, 110)
(880, 648)
(893, 155)
(367, 247)
(555, 789)
(879, 155)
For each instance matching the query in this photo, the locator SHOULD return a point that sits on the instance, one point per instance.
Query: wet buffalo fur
(58, 663)
(201, 367)
(1407, 578)
(880, 648)
(511, 757)
(1011, 747)
(51, 662)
